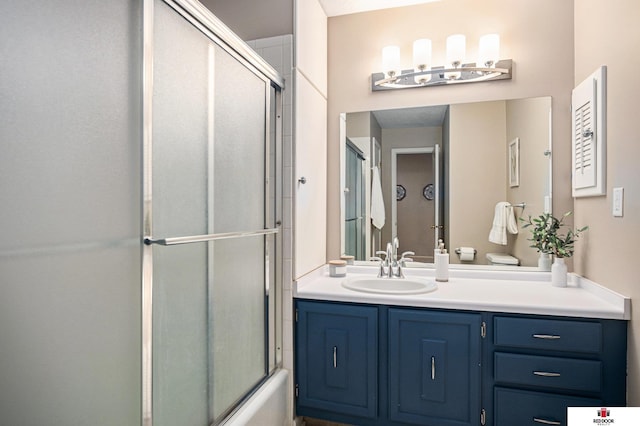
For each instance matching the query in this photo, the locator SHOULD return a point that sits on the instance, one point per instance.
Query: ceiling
(411, 117)
(345, 7)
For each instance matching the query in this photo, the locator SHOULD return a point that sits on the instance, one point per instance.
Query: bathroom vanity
(485, 348)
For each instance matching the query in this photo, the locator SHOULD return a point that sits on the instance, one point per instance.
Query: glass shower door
(212, 209)
(354, 203)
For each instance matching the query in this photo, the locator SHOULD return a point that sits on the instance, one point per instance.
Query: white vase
(559, 273)
(544, 262)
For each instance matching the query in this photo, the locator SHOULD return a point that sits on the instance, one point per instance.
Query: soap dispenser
(441, 261)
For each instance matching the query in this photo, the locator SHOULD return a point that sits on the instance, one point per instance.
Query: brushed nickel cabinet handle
(433, 368)
(545, 374)
(546, 422)
(335, 357)
(546, 336)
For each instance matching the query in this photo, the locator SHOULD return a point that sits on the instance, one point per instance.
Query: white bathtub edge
(267, 406)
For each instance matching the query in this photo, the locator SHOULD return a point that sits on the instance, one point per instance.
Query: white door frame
(435, 152)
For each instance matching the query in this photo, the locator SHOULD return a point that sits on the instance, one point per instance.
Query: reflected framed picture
(514, 162)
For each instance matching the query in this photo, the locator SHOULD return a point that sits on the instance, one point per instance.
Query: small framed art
(514, 162)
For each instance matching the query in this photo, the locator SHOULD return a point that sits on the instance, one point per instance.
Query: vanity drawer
(524, 408)
(546, 334)
(548, 372)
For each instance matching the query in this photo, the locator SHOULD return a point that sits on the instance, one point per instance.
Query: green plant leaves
(546, 237)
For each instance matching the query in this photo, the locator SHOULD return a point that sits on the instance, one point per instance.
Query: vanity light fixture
(487, 68)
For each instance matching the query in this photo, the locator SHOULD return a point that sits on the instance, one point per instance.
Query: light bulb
(489, 50)
(391, 61)
(422, 59)
(456, 47)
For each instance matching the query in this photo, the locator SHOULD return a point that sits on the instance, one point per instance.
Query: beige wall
(359, 124)
(528, 120)
(606, 255)
(473, 194)
(534, 35)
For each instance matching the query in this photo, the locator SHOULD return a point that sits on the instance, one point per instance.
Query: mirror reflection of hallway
(415, 215)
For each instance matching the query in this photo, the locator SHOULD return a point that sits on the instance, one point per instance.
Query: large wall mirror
(446, 172)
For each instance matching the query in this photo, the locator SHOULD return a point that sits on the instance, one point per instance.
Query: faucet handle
(380, 253)
(404, 259)
(381, 271)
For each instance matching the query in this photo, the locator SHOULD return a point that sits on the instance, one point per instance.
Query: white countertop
(482, 290)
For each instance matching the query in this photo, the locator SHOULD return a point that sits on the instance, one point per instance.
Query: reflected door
(416, 213)
(416, 206)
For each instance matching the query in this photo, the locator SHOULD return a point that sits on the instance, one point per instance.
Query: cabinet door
(336, 353)
(434, 367)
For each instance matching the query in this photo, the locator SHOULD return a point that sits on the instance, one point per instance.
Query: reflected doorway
(416, 206)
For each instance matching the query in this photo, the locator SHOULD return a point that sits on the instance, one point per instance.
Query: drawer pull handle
(546, 374)
(546, 336)
(546, 422)
(335, 357)
(433, 368)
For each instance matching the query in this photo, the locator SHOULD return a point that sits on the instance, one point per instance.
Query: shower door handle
(208, 237)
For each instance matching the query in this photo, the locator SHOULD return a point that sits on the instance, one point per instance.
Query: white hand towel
(512, 224)
(498, 233)
(377, 202)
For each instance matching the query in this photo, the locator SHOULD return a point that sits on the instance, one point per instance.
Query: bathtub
(268, 406)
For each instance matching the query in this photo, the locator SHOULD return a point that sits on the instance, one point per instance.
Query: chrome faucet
(391, 258)
(391, 266)
(387, 264)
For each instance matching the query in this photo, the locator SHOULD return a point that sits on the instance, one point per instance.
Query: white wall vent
(588, 150)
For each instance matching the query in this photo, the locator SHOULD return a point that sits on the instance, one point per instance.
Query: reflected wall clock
(400, 192)
(427, 191)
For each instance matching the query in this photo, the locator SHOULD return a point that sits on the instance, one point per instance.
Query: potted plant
(540, 238)
(547, 239)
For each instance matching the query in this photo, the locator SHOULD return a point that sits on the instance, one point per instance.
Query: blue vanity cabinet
(434, 367)
(542, 365)
(378, 365)
(336, 360)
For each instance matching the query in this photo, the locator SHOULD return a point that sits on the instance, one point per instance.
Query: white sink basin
(390, 285)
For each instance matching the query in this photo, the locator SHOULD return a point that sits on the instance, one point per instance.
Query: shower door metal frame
(222, 36)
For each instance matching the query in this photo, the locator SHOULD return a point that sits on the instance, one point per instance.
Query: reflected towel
(503, 220)
(377, 203)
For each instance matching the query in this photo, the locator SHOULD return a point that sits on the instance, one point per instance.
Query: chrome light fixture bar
(487, 68)
(468, 73)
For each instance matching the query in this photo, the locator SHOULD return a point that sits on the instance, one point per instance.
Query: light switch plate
(618, 201)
